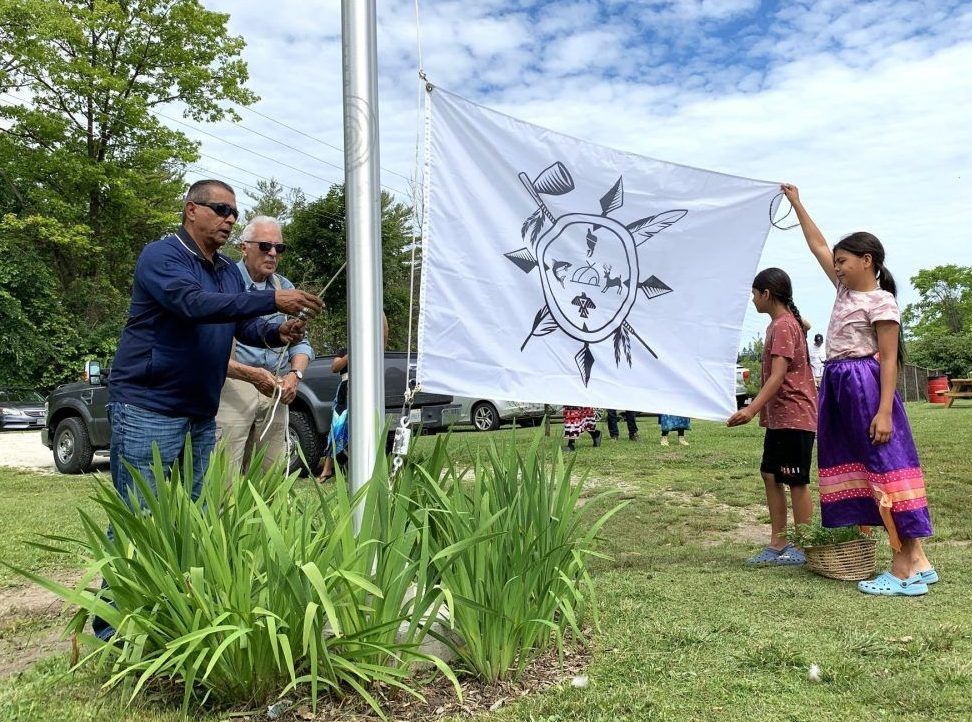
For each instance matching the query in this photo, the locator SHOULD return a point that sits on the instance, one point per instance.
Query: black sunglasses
(265, 246)
(223, 210)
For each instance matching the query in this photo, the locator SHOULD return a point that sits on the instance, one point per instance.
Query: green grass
(687, 631)
(31, 504)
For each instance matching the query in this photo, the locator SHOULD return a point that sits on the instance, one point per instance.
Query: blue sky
(864, 105)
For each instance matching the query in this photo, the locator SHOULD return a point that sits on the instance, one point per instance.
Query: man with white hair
(253, 386)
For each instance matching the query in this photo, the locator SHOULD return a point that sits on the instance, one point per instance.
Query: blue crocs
(929, 576)
(888, 585)
(791, 556)
(768, 556)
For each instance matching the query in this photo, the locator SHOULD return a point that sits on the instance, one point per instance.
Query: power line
(316, 140)
(244, 148)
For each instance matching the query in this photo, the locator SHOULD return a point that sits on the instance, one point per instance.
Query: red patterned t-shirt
(795, 403)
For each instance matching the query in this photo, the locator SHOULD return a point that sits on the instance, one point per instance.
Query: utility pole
(362, 190)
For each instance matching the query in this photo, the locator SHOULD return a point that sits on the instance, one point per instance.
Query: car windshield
(20, 396)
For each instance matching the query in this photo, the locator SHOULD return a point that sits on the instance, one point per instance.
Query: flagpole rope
(402, 431)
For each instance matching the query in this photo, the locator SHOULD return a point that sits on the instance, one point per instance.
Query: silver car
(21, 409)
(490, 414)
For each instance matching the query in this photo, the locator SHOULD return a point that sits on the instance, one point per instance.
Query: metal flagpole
(363, 207)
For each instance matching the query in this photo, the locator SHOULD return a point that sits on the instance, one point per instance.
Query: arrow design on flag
(603, 254)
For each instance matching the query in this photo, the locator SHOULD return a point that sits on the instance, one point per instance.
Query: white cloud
(865, 105)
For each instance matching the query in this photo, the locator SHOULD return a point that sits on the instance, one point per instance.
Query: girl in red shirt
(787, 407)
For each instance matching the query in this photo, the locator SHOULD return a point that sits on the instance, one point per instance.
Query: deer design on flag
(611, 281)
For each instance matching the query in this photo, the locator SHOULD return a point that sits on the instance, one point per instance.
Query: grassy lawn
(687, 631)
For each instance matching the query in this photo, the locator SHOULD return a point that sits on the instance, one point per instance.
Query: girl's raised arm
(815, 239)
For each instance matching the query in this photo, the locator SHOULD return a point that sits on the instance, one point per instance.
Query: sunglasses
(265, 246)
(223, 210)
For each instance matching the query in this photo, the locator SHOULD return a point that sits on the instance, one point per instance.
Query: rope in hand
(775, 222)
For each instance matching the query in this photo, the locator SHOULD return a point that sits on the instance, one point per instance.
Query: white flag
(563, 272)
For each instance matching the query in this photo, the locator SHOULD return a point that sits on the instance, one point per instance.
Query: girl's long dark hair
(863, 244)
(777, 282)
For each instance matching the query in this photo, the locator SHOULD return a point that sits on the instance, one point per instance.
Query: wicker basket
(849, 561)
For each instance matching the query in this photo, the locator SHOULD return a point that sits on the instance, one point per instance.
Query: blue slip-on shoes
(791, 556)
(888, 585)
(766, 557)
(929, 576)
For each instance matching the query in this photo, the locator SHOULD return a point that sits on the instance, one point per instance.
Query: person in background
(577, 420)
(818, 354)
(338, 436)
(250, 399)
(670, 423)
(629, 419)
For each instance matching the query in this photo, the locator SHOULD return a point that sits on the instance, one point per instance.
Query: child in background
(577, 420)
(670, 423)
(787, 407)
(869, 469)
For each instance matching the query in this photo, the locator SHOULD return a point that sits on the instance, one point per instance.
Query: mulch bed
(440, 696)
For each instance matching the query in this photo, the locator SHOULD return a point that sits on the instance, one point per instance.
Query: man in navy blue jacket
(188, 303)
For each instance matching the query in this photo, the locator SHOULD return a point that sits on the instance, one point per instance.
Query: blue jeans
(134, 429)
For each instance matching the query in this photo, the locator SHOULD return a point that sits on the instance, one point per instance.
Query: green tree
(939, 324)
(272, 200)
(83, 146)
(317, 249)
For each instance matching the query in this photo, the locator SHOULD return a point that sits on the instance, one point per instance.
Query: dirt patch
(31, 623)
(19, 653)
(28, 601)
(749, 530)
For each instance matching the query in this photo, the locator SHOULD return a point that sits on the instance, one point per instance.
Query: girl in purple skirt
(869, 469)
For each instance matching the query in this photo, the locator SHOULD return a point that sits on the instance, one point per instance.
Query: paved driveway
(23, 449)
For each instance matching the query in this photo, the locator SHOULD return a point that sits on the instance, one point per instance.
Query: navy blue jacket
(176, 344)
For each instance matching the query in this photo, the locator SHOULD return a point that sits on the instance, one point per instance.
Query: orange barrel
(939, 383)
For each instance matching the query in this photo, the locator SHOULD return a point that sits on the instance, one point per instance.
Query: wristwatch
(300, 374)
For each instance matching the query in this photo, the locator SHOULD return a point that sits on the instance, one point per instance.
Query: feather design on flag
(543, 324)
(533, 225)
(622, 342)
(647, 227)
(613, 199)
(585, 362)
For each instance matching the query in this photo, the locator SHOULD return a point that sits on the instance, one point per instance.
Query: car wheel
(485, 417)
(742, 402)
(72, 447)
(303, 435)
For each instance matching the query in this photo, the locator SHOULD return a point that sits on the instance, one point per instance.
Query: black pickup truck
(77, 417)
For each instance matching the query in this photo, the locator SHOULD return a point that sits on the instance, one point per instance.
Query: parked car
(742, 395)
(77, 422)
(490, 414)
(21, 409)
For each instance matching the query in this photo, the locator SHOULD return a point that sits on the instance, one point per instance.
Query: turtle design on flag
(604, 253)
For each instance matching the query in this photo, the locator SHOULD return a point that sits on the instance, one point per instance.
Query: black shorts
(787, 455)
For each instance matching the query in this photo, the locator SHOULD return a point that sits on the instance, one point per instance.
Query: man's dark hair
(199, 192)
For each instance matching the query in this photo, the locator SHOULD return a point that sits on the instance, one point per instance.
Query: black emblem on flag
(592, 252)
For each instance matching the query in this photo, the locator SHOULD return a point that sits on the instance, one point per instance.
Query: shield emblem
(589, 298)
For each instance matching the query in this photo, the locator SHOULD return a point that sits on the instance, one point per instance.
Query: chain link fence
(913, 382)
